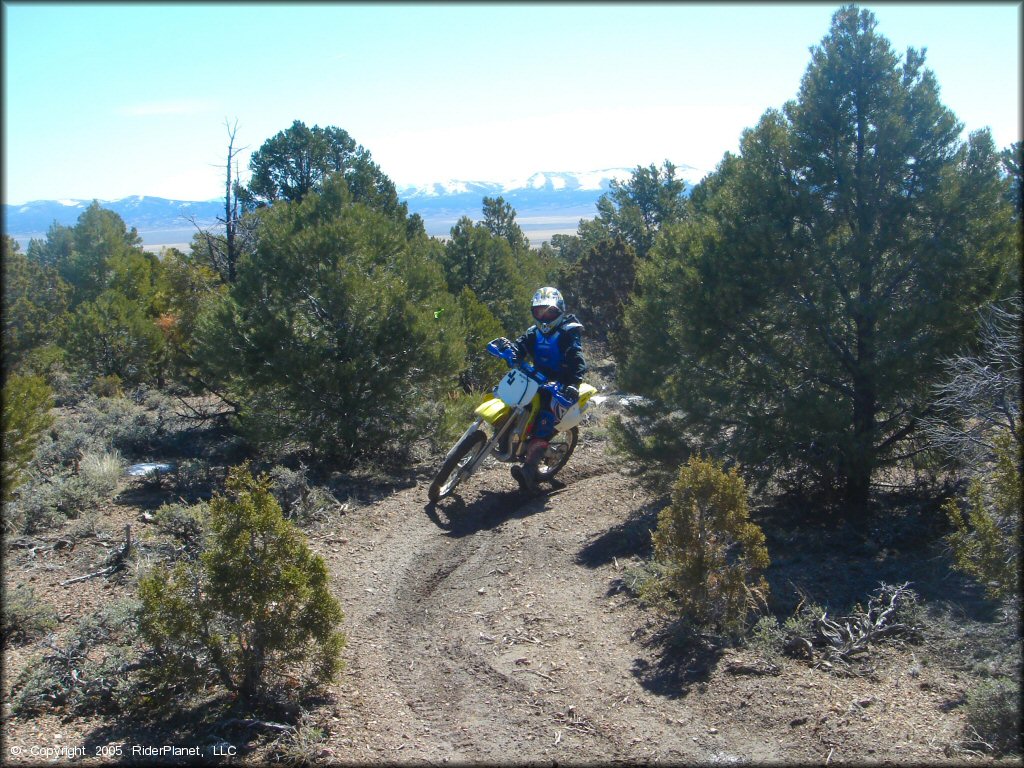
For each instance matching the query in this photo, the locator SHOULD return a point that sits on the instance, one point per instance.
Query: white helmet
(548, 309)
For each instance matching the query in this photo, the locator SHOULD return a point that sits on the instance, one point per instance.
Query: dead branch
(843, 638)
(117, 561)
(535, 672)
(253, 724)
(849, 636)
(756, 667)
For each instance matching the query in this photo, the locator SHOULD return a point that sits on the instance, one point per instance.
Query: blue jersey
(558, 355)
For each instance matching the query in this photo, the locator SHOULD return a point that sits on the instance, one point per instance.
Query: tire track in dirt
(449, 681)
(476, 634)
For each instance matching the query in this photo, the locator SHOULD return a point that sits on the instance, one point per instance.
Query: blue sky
(110, 100)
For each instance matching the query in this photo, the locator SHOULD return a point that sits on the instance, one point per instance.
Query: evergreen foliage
(638, 208)
(477, 259)
(298, 161)
(500, 220)
(482, 369)
(115, 336)
(1013, 166)
(184, 289)
(102, 250)
(993, 715)
(94, 292)
(977, 425)
(809, 296)
(493, 259)
(986, 540)
(254, 610)
(35, 302)
(600, 285)
(27, 401)
(337, 328)
(708, 556)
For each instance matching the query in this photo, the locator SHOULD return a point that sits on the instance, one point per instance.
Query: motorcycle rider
(554, 344)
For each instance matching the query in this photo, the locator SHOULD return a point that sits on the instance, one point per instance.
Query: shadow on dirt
(630, 538)
(838, 564)
(679, 660)
(491, 509)
(210, 733)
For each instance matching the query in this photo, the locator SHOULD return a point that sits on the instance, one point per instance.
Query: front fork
(512, 419)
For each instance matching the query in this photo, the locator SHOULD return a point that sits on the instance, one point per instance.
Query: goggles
(545, 314)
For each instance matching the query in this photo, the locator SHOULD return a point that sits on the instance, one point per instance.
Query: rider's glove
(572, 393)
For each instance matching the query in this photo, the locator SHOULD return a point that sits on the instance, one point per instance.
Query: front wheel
(560, 448)
(452, 471)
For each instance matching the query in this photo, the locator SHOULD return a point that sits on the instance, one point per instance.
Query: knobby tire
(467, 447)
(547, 471)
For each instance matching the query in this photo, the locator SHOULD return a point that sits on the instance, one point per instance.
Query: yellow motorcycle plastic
(494, 410)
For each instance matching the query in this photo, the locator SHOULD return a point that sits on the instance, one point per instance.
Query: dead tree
(845, 637)
(981, 397)
(231, 206)
(223, 253)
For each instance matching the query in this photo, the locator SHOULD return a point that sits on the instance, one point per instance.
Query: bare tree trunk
(231, 204)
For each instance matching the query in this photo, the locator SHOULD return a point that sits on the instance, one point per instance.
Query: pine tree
(35, 302)
(500, 220)
(600, 286)
(299, 160)
(336, 328)
(808, 299)
(638, 208)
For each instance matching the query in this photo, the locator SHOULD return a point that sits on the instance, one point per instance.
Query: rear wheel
(560, 448)
(453, 469)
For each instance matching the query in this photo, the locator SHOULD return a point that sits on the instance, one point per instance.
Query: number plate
(516, 388)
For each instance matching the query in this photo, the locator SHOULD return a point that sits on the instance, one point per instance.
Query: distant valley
(546, 204)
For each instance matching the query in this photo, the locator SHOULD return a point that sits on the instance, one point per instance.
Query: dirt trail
(492, 630)
(497, 629)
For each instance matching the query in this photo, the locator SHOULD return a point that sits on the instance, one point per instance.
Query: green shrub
(456, 415)
(301, 744)
(26, 416)
(803, 621)
(95, 482)
(482, 370)
(254, 610)
(986, 544)
(127, 425)
(707, 554)
(993, 714)
(190, 477)
(67, 494)
(107, 386)
(25, 617)
(767, 638)
(187, 525)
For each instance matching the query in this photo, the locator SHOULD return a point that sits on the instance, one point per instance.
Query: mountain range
(546, 203)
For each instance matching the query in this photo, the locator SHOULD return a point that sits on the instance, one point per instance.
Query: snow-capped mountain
(549, 181)
(146, 214)
(546, 203)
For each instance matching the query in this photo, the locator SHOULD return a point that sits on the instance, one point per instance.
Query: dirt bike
(505, 421)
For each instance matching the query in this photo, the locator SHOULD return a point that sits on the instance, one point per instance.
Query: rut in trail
(490, 629)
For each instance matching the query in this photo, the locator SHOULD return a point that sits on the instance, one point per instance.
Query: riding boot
(526, 475)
